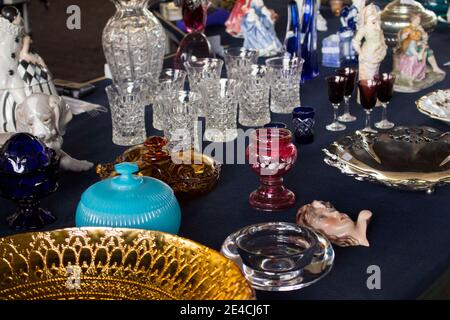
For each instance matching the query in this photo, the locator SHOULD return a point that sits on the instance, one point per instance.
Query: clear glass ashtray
(279, 256)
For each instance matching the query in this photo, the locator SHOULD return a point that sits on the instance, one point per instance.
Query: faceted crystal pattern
(200, 70)
(221, 111)
(133, 42)
(169, 80)
(284, 74)
(128, 114)
(254, 98)
(238, 61)
(180, 122)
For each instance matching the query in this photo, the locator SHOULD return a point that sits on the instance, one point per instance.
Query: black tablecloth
(409, 233)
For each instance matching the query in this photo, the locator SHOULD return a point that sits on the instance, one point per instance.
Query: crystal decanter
(195, 44)
(133, 42)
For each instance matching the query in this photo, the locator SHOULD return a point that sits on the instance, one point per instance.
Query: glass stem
(336, 111)
(384, 113)
(347, 105)
(367, 119)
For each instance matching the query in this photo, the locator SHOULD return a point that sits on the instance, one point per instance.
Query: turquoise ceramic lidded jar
(129, 201)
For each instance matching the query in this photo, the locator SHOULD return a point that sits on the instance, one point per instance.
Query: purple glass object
(195, 44)
(303, 121)
(385, 92)
(28, 172)
(271, 154)
(368, 98)
(195, 13)
(336, 91)
(350, 74)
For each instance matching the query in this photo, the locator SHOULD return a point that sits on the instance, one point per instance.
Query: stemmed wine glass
(336, 90)
(385, 93)
(368, 97)
(350, 74)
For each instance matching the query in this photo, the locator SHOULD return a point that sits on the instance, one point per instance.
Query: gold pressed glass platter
(411, 158)
(107, 263)
(436, 105)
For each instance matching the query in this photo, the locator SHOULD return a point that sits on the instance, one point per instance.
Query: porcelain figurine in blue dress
(349, 22)
(258, 30)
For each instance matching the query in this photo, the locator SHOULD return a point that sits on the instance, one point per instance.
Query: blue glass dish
(28, 172)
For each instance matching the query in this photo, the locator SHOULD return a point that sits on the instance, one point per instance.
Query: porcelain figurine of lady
(411, 57)
(369, 43)
(233, 23)
(349, 25)
(258, 29)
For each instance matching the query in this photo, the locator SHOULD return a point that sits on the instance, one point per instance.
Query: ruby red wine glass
(350, 74)
(336, 90)
(385, 93)
(271, 154)
(368, 98)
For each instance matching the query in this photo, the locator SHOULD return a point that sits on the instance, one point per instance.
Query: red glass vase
(194, 14)
(194, 44)
(271, 154)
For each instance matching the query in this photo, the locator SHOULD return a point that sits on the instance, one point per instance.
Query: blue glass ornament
(308, 39)
(28, 172)
(292, 39)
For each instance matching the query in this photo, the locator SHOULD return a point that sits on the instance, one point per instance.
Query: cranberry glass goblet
(368, 99)
(271, 154)
(350, 74)
(385, 92)
(336, 90)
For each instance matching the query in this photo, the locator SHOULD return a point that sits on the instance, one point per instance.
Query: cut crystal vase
(133, 42)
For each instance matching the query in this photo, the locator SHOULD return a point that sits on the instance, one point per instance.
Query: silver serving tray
(436, 105)
(411, 158)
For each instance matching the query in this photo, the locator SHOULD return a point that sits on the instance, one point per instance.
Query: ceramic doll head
(336, 226)
(415, 20)
(370, 15)
(12, 14)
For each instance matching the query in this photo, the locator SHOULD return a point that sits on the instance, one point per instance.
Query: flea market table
(409, 233)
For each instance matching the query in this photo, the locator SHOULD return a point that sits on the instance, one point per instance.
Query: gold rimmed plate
(107, 263)
(412, 158)
(436, 105)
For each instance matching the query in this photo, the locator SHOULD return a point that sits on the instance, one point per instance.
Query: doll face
(330, 221)
(415, 21)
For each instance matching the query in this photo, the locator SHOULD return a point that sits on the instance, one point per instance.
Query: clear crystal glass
(180, 119)
(200, 70)
(284, 73)
(221, 111)
(169, 80)
(133, 42)
(127, 104)
(239, 60)
(254, 97)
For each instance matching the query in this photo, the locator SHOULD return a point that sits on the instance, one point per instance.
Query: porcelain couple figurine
(336, 226)
(411, 58)
(253, 21)
(29, 101)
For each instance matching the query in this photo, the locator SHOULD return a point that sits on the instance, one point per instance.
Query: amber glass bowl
(188, 173)
(106, 263)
